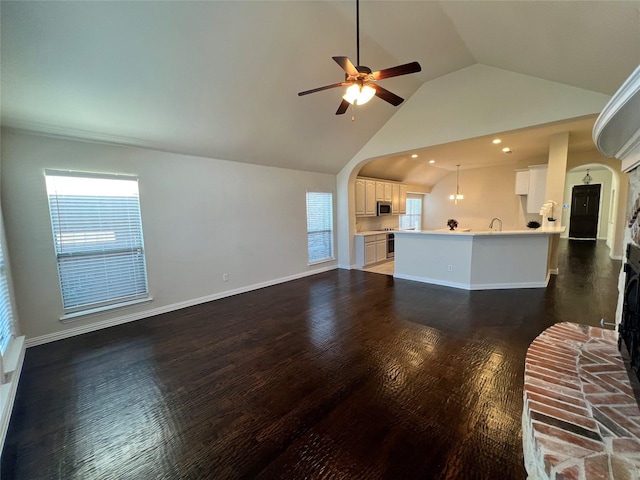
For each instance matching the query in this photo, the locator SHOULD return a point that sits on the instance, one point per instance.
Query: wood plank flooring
(342, 375)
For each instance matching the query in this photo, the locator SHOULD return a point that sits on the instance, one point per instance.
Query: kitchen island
(475, 260)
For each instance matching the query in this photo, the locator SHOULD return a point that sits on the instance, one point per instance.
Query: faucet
(493, 220)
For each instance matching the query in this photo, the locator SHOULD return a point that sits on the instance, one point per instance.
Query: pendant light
(457, 196)
(587, 178)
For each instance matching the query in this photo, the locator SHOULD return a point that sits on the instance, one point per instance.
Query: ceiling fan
(360, 80)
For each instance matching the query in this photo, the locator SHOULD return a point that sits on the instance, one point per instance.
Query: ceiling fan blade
(343, 107)
(319, 89)
(387, 96)
(346, 65)
(405, 69)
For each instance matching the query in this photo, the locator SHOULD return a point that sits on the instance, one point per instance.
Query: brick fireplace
(580, 419)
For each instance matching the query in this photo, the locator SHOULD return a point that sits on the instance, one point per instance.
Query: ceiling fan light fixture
(357, 95)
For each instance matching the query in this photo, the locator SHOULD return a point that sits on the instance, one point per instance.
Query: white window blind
(413, 218)
(319, 226)
(6, 314)
(97, 233)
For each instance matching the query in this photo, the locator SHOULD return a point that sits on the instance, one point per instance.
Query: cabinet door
(537, 189)
(360, 197)
(403, 199)
(370, 197)
(387, 192)
(370, 253)
(395, 199)
(379, 191)
(522, 182)
(381, 250)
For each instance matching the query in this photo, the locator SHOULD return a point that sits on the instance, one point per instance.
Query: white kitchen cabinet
(370, 203)
(522, 182)
(395, 198)
(537, 188)
(369, 253)
(360, 197)
(380, 191)
(381, 248)
(403, 199)
(388, 192)
(370, 249)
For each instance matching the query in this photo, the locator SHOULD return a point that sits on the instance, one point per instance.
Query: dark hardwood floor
(342, 375)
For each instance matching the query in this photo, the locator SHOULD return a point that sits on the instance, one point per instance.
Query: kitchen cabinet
(370, 204)
(370, 249)
(403, 199)
(360, 197)
(388, 192)
(537, 188)
(395, 198)
(365, 191)
(369, 192)
(381, 248)
(522, 182)
(532, 182)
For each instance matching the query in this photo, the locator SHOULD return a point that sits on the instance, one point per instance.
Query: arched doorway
(604, 177)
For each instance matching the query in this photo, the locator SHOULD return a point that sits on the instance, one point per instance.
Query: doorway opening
(585, 209)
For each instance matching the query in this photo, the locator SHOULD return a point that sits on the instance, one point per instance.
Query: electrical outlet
(450, 268)
(225, 277)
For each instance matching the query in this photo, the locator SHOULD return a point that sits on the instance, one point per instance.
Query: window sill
(73, 316)
(324, 260)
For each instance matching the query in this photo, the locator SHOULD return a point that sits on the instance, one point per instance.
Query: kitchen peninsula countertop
(477, 233)
(476, 260)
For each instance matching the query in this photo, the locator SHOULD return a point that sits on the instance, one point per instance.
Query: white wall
(201, 218)
(488, 192)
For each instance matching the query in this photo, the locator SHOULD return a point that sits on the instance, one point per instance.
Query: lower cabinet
(370, 249)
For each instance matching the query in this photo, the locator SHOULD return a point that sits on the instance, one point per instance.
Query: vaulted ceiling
(220, 78)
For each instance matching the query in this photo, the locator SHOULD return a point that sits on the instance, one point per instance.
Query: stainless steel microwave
(384, 208)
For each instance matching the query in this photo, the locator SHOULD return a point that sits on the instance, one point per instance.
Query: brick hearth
(580, 419)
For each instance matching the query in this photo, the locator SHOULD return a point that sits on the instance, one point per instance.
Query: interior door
(585, 207)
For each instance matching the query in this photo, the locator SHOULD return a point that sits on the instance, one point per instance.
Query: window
(413, 218)
(6, 315)
(97, 233)
(320, 226)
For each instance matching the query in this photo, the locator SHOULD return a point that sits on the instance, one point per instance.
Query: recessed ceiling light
(432, 161)
(415, 155)
(507, 150)
(496, 141)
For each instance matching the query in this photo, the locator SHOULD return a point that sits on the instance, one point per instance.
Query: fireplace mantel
(616, 132)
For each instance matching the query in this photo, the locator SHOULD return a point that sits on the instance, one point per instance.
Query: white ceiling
(220, 78)
(530, 145)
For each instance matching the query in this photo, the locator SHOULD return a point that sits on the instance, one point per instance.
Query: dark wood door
(585, 206)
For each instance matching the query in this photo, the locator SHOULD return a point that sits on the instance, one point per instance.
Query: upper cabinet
(370, 203)
(532, 183)
(522, 182)
(369, 192)
(395, 199)
(537, 188)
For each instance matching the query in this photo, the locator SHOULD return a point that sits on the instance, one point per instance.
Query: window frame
(93, 307)
(413, 196)
(331, 256)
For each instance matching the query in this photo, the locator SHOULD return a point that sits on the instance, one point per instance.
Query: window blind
(97, 233)
(6, 314)
(319, 226)
(413, 218)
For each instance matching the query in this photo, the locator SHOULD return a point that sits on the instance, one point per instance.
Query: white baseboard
(99, 325)
(476, 286)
